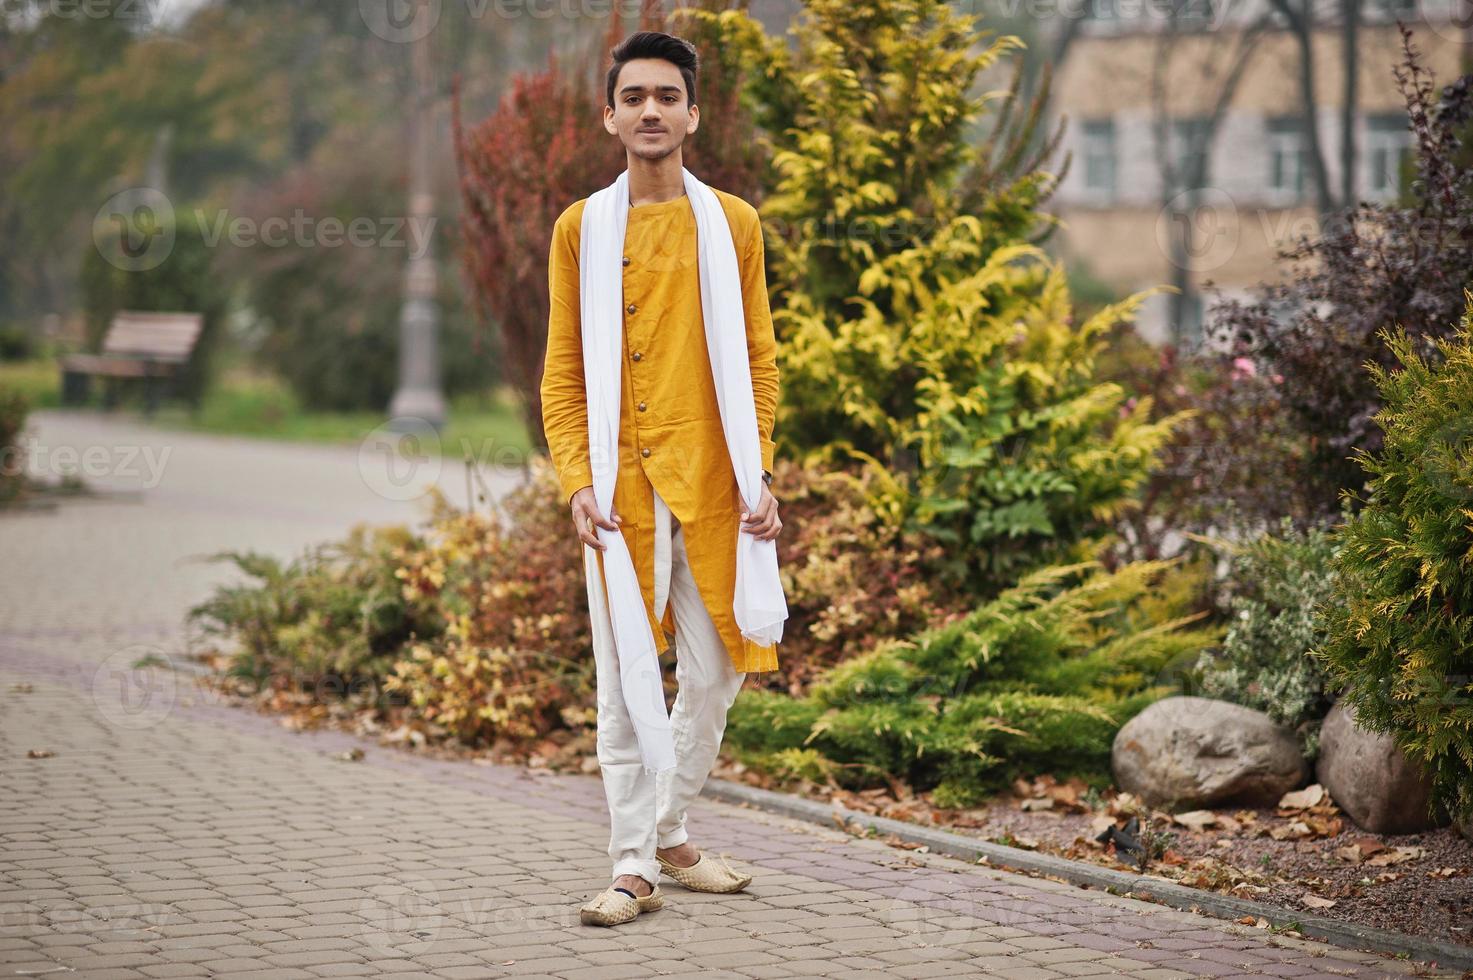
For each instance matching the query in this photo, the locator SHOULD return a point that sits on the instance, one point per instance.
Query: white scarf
(759, 605)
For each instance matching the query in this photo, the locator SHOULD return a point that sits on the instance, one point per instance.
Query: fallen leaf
(1197, 820)
(1368, 846)
(1303, 799)
(1313, 901)
(1398, 856)
(1296, 829)
(1125, 805)
(1046, 803)
(1324, 826)
(40, 754)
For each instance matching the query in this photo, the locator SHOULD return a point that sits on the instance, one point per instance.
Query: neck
(654, 181)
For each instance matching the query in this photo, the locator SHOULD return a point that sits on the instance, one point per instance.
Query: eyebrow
(640, 88)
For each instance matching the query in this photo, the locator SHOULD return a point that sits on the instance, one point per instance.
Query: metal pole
(419, 394)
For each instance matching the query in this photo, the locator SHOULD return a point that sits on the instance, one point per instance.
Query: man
(676, 501)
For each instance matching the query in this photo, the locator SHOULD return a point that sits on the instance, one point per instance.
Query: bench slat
(163, 336)
(115, 367)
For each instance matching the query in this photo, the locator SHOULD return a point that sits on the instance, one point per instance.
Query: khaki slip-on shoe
(707, 875)
(610, 907)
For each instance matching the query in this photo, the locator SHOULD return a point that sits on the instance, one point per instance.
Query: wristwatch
(767, 478)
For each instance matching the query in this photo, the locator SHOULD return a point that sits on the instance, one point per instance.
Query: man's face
(650, 114)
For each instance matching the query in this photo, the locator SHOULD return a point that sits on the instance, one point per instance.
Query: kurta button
(631, 307)
(637, 355)
(645, 451)
(641, 406)
(626, 260)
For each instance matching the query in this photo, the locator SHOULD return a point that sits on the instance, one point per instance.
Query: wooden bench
(151, 347)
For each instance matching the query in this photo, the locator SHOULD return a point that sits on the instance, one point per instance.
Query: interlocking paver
(178, 836)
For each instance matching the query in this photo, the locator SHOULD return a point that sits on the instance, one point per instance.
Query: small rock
(1191, 752)
(1376, 785)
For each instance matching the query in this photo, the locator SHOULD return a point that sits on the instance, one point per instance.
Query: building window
(1288, 157)
(1099, 157)
(1189, 154)
(1388, 147)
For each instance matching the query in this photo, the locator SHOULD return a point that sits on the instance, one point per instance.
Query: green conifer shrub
(1038, 679)
(1400, 642)
(922, 333)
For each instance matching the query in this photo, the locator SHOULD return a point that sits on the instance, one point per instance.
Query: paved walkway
(177, 837)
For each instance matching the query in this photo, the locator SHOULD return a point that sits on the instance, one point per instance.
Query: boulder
(1193, 753)
(1370, 779)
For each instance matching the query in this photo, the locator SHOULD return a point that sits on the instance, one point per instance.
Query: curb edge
(1001, 857)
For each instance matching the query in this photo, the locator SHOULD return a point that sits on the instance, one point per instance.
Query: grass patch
(246, 402)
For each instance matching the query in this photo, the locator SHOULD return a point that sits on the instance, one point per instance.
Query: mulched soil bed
(1309, 858)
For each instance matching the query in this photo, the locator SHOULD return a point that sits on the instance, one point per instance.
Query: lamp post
(419, 395)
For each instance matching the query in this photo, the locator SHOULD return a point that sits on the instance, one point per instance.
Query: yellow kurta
(670, 435)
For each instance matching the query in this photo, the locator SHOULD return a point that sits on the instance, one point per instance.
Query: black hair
(655, 44)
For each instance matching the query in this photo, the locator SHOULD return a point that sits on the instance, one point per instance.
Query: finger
(759, 525)
(763, 508)
(591, 511)
(587, 536)
(586, 533)
(766, 512)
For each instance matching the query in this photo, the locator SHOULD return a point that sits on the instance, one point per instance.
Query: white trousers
(648, 811)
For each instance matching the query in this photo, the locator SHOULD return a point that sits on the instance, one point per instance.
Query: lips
(650, 132)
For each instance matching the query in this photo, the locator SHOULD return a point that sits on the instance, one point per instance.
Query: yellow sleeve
(761, 342)
(564, 398)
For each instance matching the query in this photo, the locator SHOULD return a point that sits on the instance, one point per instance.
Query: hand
(586, 515)
(764, 523)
